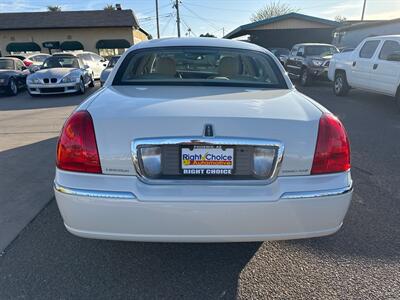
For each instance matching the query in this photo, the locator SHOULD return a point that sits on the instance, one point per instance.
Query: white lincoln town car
(201, 140)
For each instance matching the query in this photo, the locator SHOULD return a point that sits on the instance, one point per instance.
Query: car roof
(64, 54)
(393, 36)
(313, 44)
(12, 58)
(201, 41)
(40, 53)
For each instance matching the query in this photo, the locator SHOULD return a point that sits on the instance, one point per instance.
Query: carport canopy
(286, 30)
(71, 45)
(113, 44)
(23, 47)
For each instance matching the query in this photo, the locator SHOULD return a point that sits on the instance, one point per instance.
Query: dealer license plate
(207, 160)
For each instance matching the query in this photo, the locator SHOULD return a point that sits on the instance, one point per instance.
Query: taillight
(77, 148)
(27, 62)
(332, 153)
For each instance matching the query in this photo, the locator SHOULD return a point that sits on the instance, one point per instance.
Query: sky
(214, 16)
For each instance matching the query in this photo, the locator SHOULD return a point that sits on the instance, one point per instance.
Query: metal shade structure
(71, 46)
(23, 47)
(113, 44)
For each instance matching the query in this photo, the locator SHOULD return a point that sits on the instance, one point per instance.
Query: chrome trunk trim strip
(206, 141)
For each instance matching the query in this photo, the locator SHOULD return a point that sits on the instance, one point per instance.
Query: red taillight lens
(77, 148)
(27, 62)
(332, 153)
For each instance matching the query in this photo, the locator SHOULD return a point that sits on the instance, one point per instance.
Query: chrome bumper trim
(206, 141)
(94, 193)
(316, 194)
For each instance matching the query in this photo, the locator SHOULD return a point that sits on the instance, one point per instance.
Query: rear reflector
(77, 148)
(332, 152)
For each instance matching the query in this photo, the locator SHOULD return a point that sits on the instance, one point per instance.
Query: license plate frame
(208, 168)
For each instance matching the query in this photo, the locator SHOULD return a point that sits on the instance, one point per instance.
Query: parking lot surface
(361, 261)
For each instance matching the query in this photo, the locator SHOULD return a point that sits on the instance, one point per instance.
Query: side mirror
(23, 68)
(300, 53)
(86, 66)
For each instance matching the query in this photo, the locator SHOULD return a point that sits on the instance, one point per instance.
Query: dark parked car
(13, 74)
(309, 61)
(281, 53)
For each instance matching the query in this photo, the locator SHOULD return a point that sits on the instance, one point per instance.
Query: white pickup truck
(373, 66)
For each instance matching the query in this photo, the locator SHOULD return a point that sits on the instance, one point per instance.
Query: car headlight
(2, 80)
(33, 80)
(317, 62)
(68, 79)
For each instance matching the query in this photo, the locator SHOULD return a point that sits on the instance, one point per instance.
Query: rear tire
(305, 79)
(340, 85)
(12, 87)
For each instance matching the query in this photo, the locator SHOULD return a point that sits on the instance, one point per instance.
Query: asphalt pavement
(28, 134)
(361, 261)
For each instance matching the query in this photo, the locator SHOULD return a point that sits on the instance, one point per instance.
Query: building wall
(87, 36)
(138, 36)
(292, 24)
(351, 39)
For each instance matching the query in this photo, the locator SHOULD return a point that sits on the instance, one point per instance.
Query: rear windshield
(321, 50)
(280, 51)
(113, 61)
(199, 66)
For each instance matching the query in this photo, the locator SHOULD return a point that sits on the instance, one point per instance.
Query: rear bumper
(213, 218)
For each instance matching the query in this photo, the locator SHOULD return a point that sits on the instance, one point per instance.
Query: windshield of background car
(199, 66)
(320, 50)
(113, 61)
(6, 64)
(280, 51)
(61, 62)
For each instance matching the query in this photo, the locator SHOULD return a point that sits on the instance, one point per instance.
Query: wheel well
(340, 71)
(398, 92)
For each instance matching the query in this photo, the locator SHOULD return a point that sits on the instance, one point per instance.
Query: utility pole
(178, 20)
(158, 20)
(363, 11)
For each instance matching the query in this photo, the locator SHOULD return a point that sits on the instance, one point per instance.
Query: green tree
(340, 19)
(272, 9)
(207, 35)
(109, 7)
(53, 8)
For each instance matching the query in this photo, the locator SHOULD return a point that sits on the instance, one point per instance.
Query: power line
(200, 17)
(166, 24)
(189, 29)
